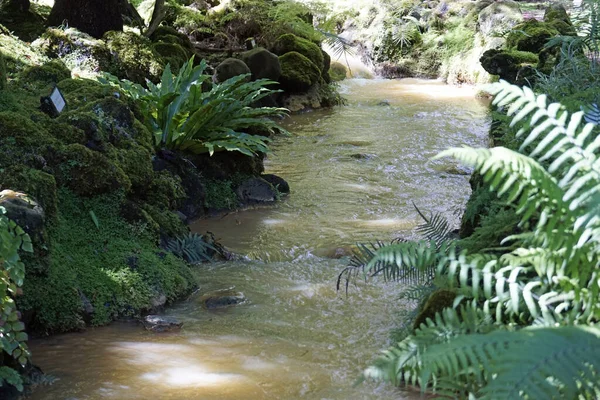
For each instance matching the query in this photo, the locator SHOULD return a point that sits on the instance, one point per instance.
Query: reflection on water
(354, 172)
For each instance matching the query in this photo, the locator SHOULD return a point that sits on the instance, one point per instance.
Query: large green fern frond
(533, 363)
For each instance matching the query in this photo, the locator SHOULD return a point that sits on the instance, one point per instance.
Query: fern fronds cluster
(485, 346)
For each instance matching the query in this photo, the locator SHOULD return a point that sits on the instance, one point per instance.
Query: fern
(550, 277)
(193, 248)
(184, 117)
(535, 363)
(592, 114)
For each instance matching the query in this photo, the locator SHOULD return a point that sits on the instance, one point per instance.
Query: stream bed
(354, 173)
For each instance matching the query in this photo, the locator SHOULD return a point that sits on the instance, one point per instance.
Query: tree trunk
(157, 16)
(95, 17)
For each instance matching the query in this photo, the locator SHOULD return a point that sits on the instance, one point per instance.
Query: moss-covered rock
(172, 53)
(435, 303)
(79, 93)
(80, 52)
(87, 172)
(169, 222)
(507, 64)
(338, 71)
(556, 12)
(229, 68)
(262, 63)
(23, 141)
(298, 73)
(3, 78)
(292, 43)
(134, 57)
(47, 74)
(168, 34)
(115, 265)
(38, 184)
(531, 35)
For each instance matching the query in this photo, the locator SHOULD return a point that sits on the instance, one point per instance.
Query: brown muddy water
(354, 173)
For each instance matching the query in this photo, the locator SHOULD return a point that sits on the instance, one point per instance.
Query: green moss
(116, 266)
(220, 195)
(38, 184)
(47, 74)
(134, 57)
(81, 92)
(166, 189)
(3, 77)
(507, 64)
(292, 43)
(22, 139)
(435, 303)
(298, 73)
(87, 172)
(172, 53)
(338, 71)
(531, 36)
(136, 162)
(169, 222)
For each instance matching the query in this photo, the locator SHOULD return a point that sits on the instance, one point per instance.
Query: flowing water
(354, 173)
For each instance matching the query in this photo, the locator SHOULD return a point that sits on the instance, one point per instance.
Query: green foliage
(115, 264)
(220, 195)
(549, 278)
(12, 274)
(184, 117)
(193, 248)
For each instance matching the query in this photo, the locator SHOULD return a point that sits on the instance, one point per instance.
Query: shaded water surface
(354, 172)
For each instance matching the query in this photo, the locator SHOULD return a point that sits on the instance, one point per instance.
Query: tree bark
(95, 17)
(158, 14)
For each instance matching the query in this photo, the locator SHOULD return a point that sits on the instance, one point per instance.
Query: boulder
(531, 35)
(298, 73)
(256, 191)
(499, 17)
(157, 323)
(24, 210)
(507, 64)
(262, 63)
(338, 71)
(222, 299)
(229, 68)
(290, 42)
(277, 182)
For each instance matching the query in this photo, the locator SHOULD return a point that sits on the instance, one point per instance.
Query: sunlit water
(354, 173)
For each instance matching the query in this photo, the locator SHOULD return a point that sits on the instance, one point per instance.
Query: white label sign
(57, 100)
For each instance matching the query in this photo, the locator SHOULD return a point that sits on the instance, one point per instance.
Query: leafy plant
(478, 348)
(193, 248)
(184, 117)
(12, 273)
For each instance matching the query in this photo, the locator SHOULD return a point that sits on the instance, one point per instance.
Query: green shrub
(184, 117)
(12, 274)
(546, 275)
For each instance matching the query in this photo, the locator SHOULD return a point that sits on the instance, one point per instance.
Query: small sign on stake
(54, 104)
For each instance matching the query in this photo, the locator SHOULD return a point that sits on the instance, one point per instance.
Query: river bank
(295, 336)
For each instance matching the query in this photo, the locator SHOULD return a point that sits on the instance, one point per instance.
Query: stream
(354, 173)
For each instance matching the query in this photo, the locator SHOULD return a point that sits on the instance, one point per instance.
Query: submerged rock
(157, 323)
(256, 191)
(222, 299)
(277, 182)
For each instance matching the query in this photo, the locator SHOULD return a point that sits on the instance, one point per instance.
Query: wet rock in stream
(222, 299)
(158, 323)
